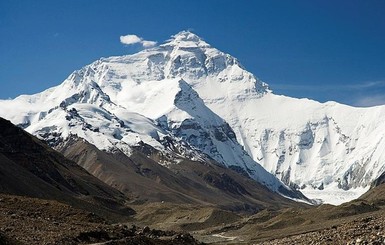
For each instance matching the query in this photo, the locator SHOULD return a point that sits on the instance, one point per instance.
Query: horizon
(324, 51)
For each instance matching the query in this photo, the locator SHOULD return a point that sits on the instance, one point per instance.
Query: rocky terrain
(361, 221)
(34, 221)
(367, 230)
(143, 179)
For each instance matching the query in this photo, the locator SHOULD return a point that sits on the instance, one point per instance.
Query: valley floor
(357, 222)
(34, 221)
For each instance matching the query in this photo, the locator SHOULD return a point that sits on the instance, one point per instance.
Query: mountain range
(186, 102)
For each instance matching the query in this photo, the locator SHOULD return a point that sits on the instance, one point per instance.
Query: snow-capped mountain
(209, 105)
(166, 114)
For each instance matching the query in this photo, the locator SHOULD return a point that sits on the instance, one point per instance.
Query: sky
(326, 50)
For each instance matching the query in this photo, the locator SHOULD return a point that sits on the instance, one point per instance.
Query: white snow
(334, 195)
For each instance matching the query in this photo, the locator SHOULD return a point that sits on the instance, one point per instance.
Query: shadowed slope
(188, 182)
(29, 167)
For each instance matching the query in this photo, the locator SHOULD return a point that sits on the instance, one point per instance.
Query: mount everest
(190, 100)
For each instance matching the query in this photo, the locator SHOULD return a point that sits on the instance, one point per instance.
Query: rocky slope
(143, 179)
(28, 167)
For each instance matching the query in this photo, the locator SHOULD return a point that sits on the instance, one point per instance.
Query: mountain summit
(187, 99)
(186, 39)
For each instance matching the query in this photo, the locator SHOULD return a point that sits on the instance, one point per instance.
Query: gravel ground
(368, 230)
(34, 221)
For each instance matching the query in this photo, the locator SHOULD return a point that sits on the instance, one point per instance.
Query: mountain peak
(186, 36)
(186, 39)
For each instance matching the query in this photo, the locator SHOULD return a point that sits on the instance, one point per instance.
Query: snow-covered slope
(196, 124)
(205, 100)
(79, 107)
(330, 151)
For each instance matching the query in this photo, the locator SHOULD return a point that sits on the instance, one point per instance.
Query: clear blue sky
(324, 50)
